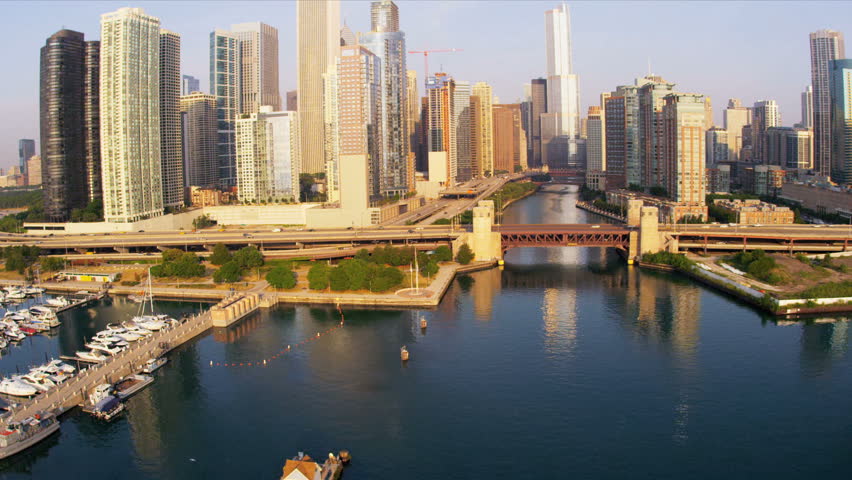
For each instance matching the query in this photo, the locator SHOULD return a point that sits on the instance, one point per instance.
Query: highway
(793, 230)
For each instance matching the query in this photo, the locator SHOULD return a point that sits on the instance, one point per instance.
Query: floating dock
(82, 302)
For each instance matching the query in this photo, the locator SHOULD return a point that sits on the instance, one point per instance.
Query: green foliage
(828, 290)
(281, 277)
(94, 212)
(429, 269)
(609, 207)
(52, 264)
(16, 198)
(230, 272)
(635, 187)
(337, 280)
(511, 191)
(519, 169)
(588, 195)
(443, 254)
(306, 181)
(356, 274)
(20, 258)
(721, 215)
(363, 254)
(221, 255)
(690, 219)
(387, 255)
(318, 276)
(442, 221)
(759, 265)
(464, 255)
(542, 177)
(248, 257)
(35, 212)
(171, 254)
(203, 221)
(658, 191)
(184, 265)
(677, 260)
(465, 282)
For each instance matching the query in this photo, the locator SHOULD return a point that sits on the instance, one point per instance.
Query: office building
(825, 45)
(441, 129)
(651, 100)
(331, 141)
(258, 66)
(292, 100)
(621, 134)
(808, 108)
(560, 125)
(268, 157)
(718, 179)
(736, 118)
(189, 84)
(387, 43)
(61, 118)
(413, 104)
(318, 44)
(510, 149)
(347, 36)
(683, 145)
(92, 119)
(170, 143)
(538, 107)
(595, 160)
(840, 86)
(198, 135)
(482, 127)
(225, 86)
(33, 172)
(462, 120)
(26, 149)
(130, 121)
(765, 115)
(716, 146)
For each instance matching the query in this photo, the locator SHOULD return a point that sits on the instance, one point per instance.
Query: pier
(82, 302)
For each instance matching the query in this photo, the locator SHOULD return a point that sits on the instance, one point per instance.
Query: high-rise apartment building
(808, 108)
(387, 43)
(621, 134)
(595, 160)
(225, 86)
(92, 118)
(267, 156)
(170, 143)
(359, 107)
(510, 149)
(26, 149)
(441, 129)
(130, 115)
(189, 84)
(840, 86)
(62, 99)
(331, 140)
(292, 100)
(560, 126)
(318, 44)
(464, 137)
(716, 146)
(651, 132)
(482, 128)
(258, 66)
(538, 106)
(683, 144)
(33, 173)
(789, 148)
(736, 118)
(412, 116)
(764, 115)
(198, 135)
(826, 45)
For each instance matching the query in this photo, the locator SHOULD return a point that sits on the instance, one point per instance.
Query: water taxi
(18, 436)
(153, 364)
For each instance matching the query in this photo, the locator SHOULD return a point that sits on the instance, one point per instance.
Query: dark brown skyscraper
(62, 99)
(538, 106)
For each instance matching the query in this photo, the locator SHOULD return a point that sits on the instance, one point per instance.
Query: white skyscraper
(808, 107)
(268, 162)
(462, 116)
(130, 115)
(560, 126)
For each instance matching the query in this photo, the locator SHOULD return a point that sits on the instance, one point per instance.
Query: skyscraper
(34, 170)
(170, 144)
(198, 135)
(651, 133)
(560, 126)
(510, 149)
(412, 101)
(61, 123)
(318, 44)
(26, 149)
(683, 130)
(808, 107)
(840, 86)
(292, 100)
(716, 146)
(538, 94)
(441, 129)
(130, 115)
(462, 114)
(826, 45)
(225, 86)
(482, 126)
(331, 140)
(387, 43)
(189, 84)
(92, 118)
(267, 156)
(736, 118)
(258, 66)
(595, 160)
(764, 115)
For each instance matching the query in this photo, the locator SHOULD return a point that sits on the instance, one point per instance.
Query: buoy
(344, 456)
(211, 363)
(403, 354)
(264, 362)
(423, 323)
(318, 334)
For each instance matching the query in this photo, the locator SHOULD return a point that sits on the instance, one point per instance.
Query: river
(564, 364)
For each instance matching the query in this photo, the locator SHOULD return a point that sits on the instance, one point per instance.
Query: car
(410, 230)
(276, 230)
(596, 226)
(246, 235)
(350, 228)
(141, 231)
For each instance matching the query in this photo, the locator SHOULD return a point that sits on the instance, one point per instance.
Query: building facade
(683, 129)
(716, 146)
(595, 160)
(538, 107)
(258, 66)
(840, 85)
(412, 101)
(736, 118)
(651, 130)
(225, 86)
(560, 125)
(33, 170)
(170, 142)
(130, 115)
(765, 115)
(26, 149)
(510, 149)
(268, 163)
(482, 126)
(808, 108)
(318, 44)
(825, 45)
(92, 119)
(441, 127)
(189, 84)
(198, 136)
(464, 136)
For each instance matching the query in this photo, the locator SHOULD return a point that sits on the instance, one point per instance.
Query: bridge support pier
(121, 249)
(649, 234)
(484, 242)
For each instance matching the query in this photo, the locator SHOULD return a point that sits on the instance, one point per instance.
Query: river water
(564, 364)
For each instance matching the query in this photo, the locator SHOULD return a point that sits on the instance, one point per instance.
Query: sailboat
(146, 318)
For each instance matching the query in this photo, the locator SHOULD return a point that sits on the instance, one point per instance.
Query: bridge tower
(484, 241)
(649, 234)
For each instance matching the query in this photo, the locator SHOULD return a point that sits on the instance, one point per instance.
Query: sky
(747, 50)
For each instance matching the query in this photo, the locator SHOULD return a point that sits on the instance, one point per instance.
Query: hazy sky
(751, 51)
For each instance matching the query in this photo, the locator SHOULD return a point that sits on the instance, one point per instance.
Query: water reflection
(822, 343)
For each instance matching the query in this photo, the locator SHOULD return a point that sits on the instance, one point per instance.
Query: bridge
(567, 235)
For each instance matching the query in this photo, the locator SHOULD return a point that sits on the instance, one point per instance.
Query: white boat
(153, 364)
(37, 380)
(3, 343)
(59, 365)
(57, 302)
(36, 325)
(106, 337)
(138, 330)
(100, 392)
(128, 336)
(14, 386)
(45, 314)
(16, 294)
(18, 436)
(91, 356)
(31, 290)
(132, 384)
(100, 347)
(108, 408)
(14, 335)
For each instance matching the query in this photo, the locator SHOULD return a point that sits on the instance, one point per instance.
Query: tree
(355, 272)
(464, 255)
(429, 269)
(221, 255)
(363, 254)
(52, 264)
(281, 277)
(443, 254)
(171, 254)
(228, 273)
(318, 276)
(337, 279)
(248, 257)
(203, 221)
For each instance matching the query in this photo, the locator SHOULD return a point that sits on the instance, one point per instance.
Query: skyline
(701, 58)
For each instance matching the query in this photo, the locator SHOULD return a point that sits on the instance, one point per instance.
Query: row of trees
(354, 274)
(233, 265)
(759, 265)
(19, 258)
(177, 263)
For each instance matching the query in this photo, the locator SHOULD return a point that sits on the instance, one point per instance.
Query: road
(794, 230)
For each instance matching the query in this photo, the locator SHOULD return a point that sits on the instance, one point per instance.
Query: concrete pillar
(484, 241)
(121, 249)
(649, 235)
(634, 208)
(633, 247)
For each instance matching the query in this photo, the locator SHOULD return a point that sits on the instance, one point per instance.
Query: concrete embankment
(591, 208)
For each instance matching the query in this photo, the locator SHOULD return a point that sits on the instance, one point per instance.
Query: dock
(82, 302)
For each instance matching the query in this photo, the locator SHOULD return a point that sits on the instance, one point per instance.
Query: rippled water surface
(565, 364)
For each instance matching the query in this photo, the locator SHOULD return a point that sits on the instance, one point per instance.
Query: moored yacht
(45, 314)
(91, 356)
(57, 302)
(153, 364)
(18, 436)
(15, 386)
(100, 347)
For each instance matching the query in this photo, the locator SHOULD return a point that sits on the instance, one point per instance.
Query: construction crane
(426, 60)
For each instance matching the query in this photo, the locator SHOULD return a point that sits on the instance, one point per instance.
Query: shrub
(318, 276)
(429, 269)
(337, 279)
(443, 254)
(227, 273)
(52, 264)
(248, 257)
(171, 254)
(464, 255)
(281, 277)
(221, 255)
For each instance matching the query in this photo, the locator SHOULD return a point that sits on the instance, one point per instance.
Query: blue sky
(746, 50)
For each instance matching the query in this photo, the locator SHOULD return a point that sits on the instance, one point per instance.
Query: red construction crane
(426, 59)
